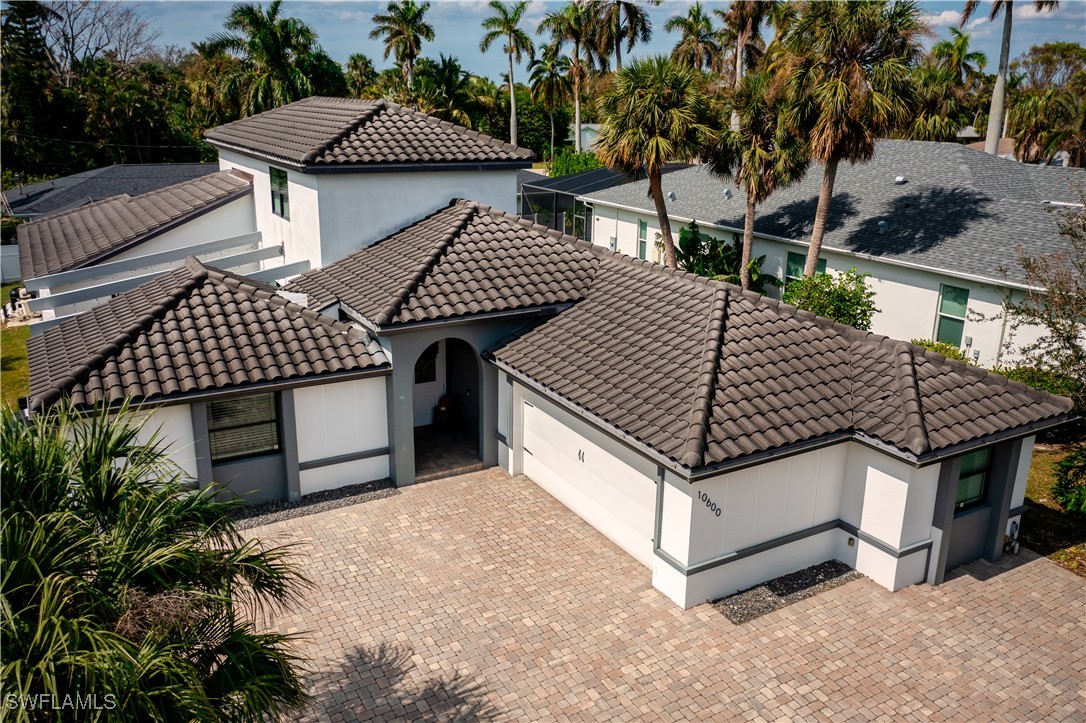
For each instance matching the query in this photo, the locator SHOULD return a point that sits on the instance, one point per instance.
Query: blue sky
(343, 27)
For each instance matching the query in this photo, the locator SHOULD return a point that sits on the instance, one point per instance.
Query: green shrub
(845, 298)
(568, 161)
(7, 230)
(1070, 487)
(1052, 382)
(941, 347)
(717, 259)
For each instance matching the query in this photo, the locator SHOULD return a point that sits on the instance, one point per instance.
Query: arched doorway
(447, 409)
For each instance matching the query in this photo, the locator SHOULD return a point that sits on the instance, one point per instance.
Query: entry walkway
(480, 596)
(442, 452)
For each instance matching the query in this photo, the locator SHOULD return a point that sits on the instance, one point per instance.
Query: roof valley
(698, 430)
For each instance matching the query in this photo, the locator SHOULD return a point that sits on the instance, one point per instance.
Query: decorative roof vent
(727, 194)
(883, 225)
(900, 181)
(671, 196)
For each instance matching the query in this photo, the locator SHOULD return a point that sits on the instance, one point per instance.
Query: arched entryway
(446, 401)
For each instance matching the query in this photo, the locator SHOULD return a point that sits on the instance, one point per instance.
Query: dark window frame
(820, 267)
(941, 315)
(966, 473)
(280, 193)
(212, 429)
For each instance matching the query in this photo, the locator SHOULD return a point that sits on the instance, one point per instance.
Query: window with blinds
(240, 427)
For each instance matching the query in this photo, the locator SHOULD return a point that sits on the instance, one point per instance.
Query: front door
(429, 382)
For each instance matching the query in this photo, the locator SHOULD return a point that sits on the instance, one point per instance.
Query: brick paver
(481, 596)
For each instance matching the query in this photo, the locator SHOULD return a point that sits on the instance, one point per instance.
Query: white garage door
(606, 492)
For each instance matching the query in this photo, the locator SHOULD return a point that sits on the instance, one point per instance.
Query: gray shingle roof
(322, 133)
(961, 210)
(706, 374)
(37, 200)
(94, 232)
(465, 259)
(193, 329)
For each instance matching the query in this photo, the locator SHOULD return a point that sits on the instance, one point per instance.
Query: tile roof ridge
(79, 373)
(368, 113)
(385, 315)
(916, 431)
(701, 410)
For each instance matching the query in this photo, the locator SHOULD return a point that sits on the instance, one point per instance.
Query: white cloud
(945, 19)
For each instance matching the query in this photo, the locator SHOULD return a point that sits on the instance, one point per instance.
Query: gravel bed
(749, 604)
(277, 510)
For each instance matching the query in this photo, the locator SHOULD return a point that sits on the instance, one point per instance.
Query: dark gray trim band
(785, 540)
(1016, 511)
(502, 439)
(341, 458)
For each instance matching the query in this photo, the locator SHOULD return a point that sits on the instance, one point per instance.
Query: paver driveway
(481, 596)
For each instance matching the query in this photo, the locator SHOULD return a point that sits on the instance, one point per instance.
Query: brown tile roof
(193, 329)
(91, 233)
(706, 374)
(465, 259)
(320, 132)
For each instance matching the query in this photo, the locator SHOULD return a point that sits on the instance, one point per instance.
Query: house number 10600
(713, 506)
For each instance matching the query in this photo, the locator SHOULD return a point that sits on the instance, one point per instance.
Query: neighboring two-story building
(937, 225)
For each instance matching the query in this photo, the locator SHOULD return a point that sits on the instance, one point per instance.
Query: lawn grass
(14, 370)
(1046, 529)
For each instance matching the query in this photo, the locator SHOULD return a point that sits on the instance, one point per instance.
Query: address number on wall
(713, 506)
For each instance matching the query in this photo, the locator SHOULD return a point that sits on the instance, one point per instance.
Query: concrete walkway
(481, 597)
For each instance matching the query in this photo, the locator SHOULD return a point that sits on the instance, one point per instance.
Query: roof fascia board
(169, 226)
(332, 169)
(804, 244)
(1004, 436)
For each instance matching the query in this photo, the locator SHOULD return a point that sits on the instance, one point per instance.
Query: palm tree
(1046, 121)
(120, 579)
(550, 82)
(999, 92)
(697, 47)
(849, 67)
(954, 54)
(505, 24)
(763, 154)
(273, 51)
(622, 22)
(403, 27)
(656, 112)
(445, 90)
(745, 18)
(574, 24)
(938, 110)
(361, 74)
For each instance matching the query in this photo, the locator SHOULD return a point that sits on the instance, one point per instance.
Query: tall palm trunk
(740, 48)
(618, 45)
(512, 102)
(748, 242)
(551, 114)
(577, 99)
(825, 195)
(999, 92)
(656, 189)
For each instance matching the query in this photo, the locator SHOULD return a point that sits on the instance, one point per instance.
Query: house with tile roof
(719, 437)
(937, 225)
(332, 175)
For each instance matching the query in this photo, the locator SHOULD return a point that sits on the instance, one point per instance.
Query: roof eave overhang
(416, 167)
(789, 450)
(1005, 283)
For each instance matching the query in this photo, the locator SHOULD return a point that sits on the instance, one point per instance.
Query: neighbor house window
(950, 324)
(972, 480)
(426, 366)
(240, 427)
(795, 265)
(280, 200)
(642, 239)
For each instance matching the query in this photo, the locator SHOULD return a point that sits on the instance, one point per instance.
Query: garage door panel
(607, 493)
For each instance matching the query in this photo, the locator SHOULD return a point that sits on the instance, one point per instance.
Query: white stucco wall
(886, 499)
(333, 215)
(341, 419)
(907, 298)
(1021, 476)
(173, 427)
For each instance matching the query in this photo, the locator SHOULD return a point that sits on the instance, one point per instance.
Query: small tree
(845, 298)
(568, 161)
(718, 259)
